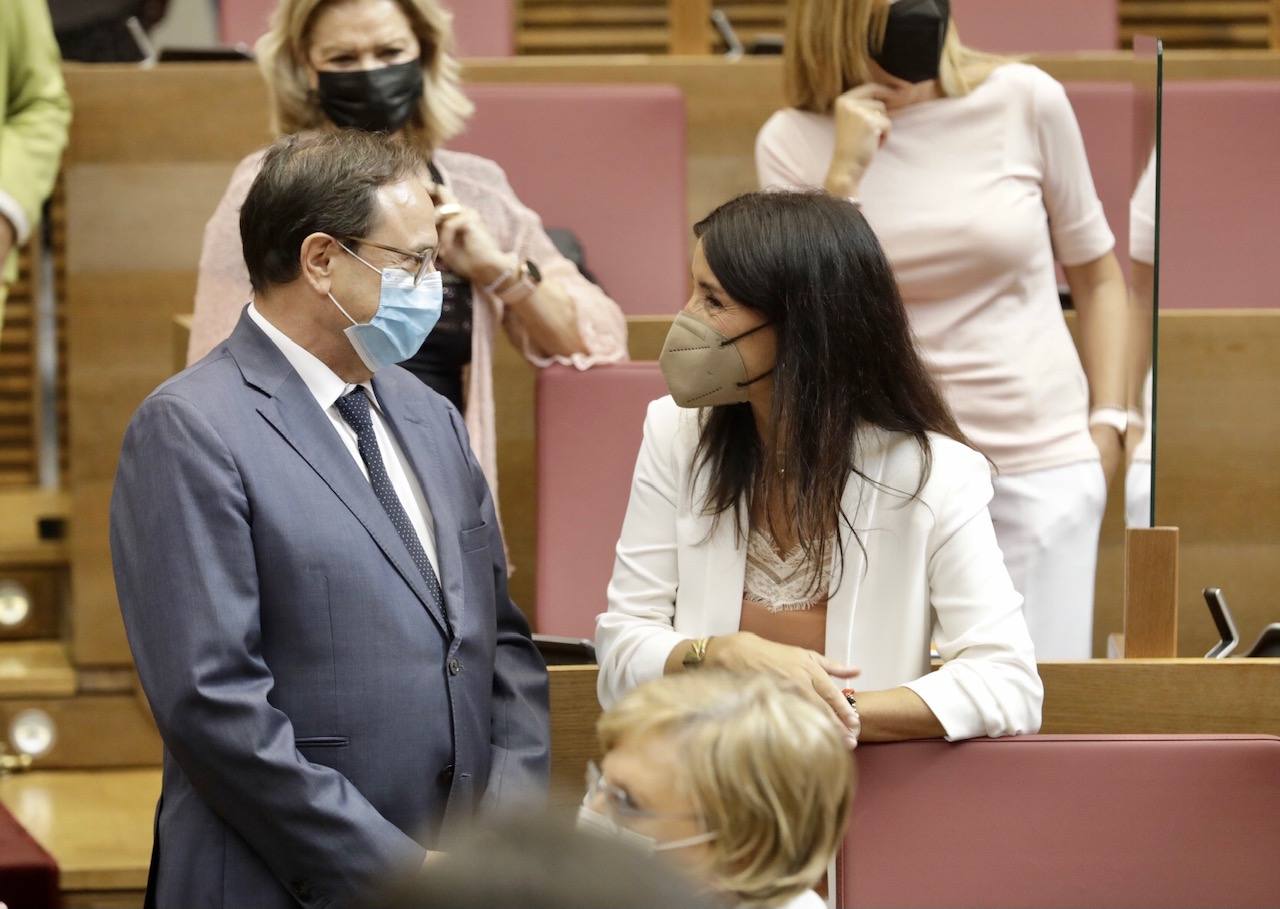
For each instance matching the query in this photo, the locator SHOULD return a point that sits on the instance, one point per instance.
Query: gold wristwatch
(697, 654)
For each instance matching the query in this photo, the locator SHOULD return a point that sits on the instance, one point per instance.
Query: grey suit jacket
(320, 723)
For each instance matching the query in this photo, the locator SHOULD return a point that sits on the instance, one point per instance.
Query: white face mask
(592, 821)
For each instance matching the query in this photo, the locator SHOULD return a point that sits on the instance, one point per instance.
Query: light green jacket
(34, 119)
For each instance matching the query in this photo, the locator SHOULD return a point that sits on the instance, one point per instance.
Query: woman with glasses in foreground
(741, 781)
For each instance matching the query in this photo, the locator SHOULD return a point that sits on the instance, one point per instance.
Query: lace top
(782, 583)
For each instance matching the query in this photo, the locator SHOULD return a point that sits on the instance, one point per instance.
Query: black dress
(447, 351)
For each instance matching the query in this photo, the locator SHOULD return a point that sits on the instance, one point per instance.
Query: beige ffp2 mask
(702, 367)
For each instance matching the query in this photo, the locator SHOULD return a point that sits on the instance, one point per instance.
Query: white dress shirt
(325, 385)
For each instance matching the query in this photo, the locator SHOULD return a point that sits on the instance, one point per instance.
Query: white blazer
(932, 571)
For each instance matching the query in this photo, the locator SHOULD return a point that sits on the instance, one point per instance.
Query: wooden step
(97, 825)
(35, 669)
(21, 512)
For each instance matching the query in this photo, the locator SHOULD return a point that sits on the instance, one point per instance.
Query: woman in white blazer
(804, 504)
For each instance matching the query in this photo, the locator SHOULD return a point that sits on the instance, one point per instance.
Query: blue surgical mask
(407, 313)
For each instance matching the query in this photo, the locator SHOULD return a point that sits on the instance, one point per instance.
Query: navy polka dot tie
(354, 408)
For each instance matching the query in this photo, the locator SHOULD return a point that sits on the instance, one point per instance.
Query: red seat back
(1220, 193)
(484, 28)
(589, 429)
(1033, 26)
(1099, 821)
(1106, 113)
(605, 161)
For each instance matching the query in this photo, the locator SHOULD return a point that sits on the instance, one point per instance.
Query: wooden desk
(97, 825)
(1105, 697)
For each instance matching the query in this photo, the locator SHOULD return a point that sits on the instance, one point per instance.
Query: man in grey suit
(310, 567)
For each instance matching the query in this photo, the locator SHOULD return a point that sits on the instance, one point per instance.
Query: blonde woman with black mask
(388, 66)
(972, 171)
(804, 505)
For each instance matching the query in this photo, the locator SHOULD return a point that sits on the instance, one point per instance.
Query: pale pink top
(972, 199)
(223, 288)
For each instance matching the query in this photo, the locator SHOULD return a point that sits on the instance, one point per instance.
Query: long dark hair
(810, 263)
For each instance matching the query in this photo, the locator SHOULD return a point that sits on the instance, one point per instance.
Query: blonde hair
(282, 56)
(828, 52)
(765, 767)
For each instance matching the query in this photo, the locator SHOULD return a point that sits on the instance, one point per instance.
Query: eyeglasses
(426, 261)
(618, 799)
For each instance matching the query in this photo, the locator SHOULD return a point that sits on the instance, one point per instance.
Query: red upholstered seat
(1025, 26)
(28, 874)
(589, 430)
(1046, 821)
(484, 28)
(607, 162)
(1220, 212)
(1106, 113)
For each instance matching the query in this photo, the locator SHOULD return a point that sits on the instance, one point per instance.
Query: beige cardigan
(223, 288)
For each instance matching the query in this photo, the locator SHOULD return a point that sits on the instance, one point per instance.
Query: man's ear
(317, 257)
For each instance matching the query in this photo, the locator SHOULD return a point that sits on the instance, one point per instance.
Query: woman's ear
(317, 260)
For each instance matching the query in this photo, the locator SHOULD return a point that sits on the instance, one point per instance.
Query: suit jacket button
(301, 890)
(446, 775)
(455, 666)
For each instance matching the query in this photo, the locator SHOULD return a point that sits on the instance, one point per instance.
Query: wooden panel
(32, 669)
(690, 26)
(96, 825)
(1151, 592)
(19, 421)
(1199, 23)
(513, 391)
(92, 730)
(45, 587)
(225, 125)
(1157, 697)
(119, 339)
(574, 711)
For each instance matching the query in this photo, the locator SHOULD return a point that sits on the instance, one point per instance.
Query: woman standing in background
(972, 171)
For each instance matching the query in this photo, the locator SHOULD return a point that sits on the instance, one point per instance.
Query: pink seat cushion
(1099, 821)
(1105, 111)
(605, 161)
(589, 429)
(484, 28)
(1220, 190)
(1026, 26)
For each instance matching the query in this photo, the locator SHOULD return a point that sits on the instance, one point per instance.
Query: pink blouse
(223, 287)
(973, 199)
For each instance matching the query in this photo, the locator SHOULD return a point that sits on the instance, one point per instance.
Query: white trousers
(1047, 523)
(1137, 494)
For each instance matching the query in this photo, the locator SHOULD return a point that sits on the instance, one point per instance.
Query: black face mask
(375, 100)
(913, 39)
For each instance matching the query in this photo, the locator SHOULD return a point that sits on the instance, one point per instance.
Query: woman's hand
(1111, 448)
(466, 246)
(862, 126)
(750, 653)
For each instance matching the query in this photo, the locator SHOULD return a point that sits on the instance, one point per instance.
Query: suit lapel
(293, 412)
(420, 446)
